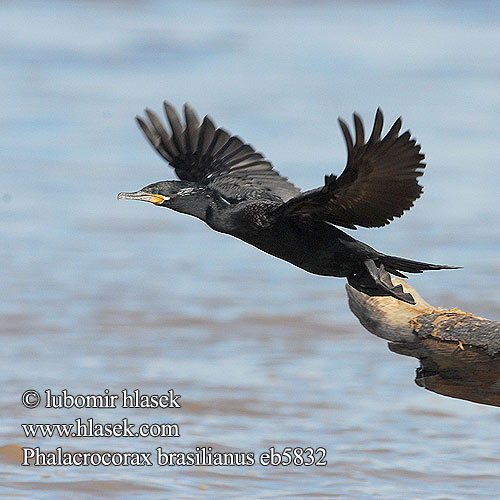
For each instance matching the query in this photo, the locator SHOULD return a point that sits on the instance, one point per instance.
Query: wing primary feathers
(166, 139)
(379, 182)
(238, 153)
(347, 135)
(377, 127)
(360, 131)
(154, 139)
(393, 132)
(243, 161)
(158, 126)
(220, 139)
(175, 124)
(209, 149)
(233, 146)
(211, 156)
(207, 132)
(192, 129)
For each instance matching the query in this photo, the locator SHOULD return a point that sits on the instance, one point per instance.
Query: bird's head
(163, 193)
(182, 196)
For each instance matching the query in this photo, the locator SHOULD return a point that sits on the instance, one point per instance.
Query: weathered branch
(459, 352)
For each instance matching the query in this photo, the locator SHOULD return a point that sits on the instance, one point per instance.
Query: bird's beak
(157, 199)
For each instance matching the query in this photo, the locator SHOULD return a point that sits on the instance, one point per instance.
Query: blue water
(98, 294)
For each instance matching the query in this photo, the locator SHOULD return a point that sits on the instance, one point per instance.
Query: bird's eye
(154, 191)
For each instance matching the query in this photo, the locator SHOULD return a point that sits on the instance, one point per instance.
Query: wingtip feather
(360, 131)
(190, 115)
(378, 124)
(347, 134)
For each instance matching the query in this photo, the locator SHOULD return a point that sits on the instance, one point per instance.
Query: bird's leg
(376, 281)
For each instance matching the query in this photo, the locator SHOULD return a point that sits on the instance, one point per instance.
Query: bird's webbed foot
(376, 281)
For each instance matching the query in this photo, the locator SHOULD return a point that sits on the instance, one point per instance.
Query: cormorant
(235, 190)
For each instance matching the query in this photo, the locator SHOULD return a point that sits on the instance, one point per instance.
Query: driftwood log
(459, 352)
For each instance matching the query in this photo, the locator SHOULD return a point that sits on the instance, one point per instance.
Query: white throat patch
(185, 191)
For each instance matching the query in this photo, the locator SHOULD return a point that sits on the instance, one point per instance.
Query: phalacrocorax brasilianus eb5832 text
(235, 190)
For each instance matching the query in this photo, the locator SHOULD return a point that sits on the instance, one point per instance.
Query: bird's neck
(203, 203)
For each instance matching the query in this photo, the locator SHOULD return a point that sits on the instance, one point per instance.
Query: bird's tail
(373, 277)
(398, 265)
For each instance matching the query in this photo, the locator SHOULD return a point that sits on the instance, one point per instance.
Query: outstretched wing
(378, 183)
(200, 152)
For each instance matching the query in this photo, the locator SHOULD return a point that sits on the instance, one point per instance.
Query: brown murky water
(99, 294)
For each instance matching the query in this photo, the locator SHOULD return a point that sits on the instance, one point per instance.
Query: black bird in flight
(236, 191)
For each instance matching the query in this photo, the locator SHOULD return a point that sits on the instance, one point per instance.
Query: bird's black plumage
(235, 190)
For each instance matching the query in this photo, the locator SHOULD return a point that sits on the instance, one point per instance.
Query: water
(99, 294)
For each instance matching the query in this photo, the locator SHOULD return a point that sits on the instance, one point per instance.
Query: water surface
(99, 294)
